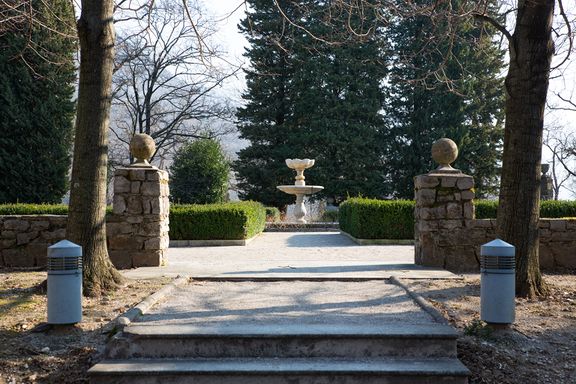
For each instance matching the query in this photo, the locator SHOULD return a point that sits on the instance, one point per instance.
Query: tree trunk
(87, 213)
(531, 50)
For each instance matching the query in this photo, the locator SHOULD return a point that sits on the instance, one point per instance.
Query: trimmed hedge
(272, 214)
(549, 209)
(377, 219)
(228, 221)
(33, 209)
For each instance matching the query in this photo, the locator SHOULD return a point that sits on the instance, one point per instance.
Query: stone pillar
(443, 206)
(138, 227)
(137, 230)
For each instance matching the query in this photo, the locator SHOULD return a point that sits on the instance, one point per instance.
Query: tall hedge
(377, 219)
(37, 76)
(549, 209)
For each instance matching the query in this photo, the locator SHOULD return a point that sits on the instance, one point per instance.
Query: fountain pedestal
(300, 189)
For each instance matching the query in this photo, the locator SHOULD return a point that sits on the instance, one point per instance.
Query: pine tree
(36, 107)
(439, 88)
(315, 95)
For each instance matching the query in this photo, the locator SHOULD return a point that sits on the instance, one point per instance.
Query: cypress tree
(439, 88)
(36, 108)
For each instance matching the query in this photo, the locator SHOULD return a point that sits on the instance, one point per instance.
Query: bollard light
(497, 282)
(64, 283)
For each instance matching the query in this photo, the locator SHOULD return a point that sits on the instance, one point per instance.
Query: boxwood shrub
(227, 221)
(377, 219)
(549, 209)
(272, 214)
(33, 209)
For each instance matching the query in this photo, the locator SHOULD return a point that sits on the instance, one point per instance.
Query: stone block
(465, 182)
(570, 224)
(118, 205)
(153, 176)
(467, 195)
(26, 237)
(468, 210)
(153, 229)
(425, 197)
(39, 225)
(546, 257)
(448, 182)
(461, 259)
(445, 198)
(8, 234)
(137, 174)
(544, 223)
(427, 225)
(545, 235)
(426, 182)
(482, 223)
(39, 251)
(153, 243)
(7, 243)
(564, 255)
(148, 258)
(453, 211)
(134, 219)
(562, 236)
(426, 253)
(125, 242)
(450, 224)
(54, 236)
(134, 205)
(135, 187)
(156, 206)
(432, 213)
(121, 185)
(17, 258)
(150, 188)
(16, 225)
(119, 228)
(557, 225)
(120, 259)
(122, 172)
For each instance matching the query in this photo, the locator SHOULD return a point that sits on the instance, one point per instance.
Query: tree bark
(87, 212)
(531, 50)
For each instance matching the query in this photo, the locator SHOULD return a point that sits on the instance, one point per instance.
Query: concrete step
(283, 341)
(280, 371)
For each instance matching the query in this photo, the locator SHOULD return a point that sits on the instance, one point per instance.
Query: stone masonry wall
(138, 227)
(137, 231)
(24, 239)
(447, 235)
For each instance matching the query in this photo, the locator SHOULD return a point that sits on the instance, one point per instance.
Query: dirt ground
(62, 354)
(539, 348)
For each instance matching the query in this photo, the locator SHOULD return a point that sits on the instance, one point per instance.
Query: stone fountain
(300, 189)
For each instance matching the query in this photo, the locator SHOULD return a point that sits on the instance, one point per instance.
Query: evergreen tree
(199, 173)
(36, 108)
(315, 95)
(439, 88)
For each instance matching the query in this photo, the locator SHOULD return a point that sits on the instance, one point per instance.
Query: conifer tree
(444, 88)
(36, 107)
(315, 95)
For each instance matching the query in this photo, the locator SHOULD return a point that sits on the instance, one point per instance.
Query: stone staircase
(282, 354)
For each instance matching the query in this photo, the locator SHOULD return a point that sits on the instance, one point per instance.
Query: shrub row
(33, 209)
(228, 221)
(377, 219)
(272, 214)
(549, 209)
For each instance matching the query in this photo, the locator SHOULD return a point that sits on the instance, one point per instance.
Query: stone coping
(283, 226)
(378, 241)
(211, 243)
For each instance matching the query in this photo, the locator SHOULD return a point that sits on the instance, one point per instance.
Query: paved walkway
(293, 255)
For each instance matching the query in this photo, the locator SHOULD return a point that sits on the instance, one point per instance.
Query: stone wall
(138, 228)
(137, 231)
(447, 235)
(24, 239)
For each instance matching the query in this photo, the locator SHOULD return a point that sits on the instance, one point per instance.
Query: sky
(562, 81)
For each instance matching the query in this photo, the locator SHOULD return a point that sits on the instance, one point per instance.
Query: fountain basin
(300, 189)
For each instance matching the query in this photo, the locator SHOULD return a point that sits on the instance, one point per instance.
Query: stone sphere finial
(445, 152)
(142, 148)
